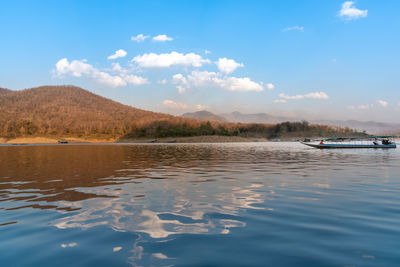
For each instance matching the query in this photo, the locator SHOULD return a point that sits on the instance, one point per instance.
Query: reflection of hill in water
(54, 172)
(159, 190)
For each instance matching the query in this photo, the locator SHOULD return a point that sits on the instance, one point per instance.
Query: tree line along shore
(165, 131)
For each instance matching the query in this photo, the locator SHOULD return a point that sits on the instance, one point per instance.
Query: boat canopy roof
(359, 138)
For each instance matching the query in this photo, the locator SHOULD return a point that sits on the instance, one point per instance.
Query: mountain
(371, 127)
(67, 110)
(4, 91)
(203, 115)
(254, 118)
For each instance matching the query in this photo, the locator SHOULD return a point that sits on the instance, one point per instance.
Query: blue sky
(307, 59)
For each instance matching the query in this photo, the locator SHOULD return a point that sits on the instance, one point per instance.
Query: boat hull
(327, 146)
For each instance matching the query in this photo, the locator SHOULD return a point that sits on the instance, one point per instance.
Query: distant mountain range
(237, 117)
(371, 127)
(254, 118)
(204, 116)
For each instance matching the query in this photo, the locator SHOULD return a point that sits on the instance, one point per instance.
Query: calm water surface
(260, 204)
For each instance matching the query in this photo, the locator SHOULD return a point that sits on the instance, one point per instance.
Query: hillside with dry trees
(69, 111)
(4, 91)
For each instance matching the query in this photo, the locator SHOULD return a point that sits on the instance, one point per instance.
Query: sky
(307, 59)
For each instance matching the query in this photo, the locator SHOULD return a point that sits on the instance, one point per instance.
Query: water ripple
(199, 204)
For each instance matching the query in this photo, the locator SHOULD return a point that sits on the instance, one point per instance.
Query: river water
(241, 204)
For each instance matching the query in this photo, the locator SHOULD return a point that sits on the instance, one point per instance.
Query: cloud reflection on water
(173, 211)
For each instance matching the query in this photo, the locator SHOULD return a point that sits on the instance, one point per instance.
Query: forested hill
(67, 110)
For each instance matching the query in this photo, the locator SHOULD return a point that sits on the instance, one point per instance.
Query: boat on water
(355, 142)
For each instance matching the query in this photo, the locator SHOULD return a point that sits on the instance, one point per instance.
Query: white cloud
(349, 11)
(174, 105)
(294, 28)
(139, 38)
(118, 69)
(107, 79)
(182, 107)
(202, 79)
(227, 66)
(118, 54)
(270, 86)
(135, 80)
(153, 60)
(179, 79)
(210, 79)
(207, 52)
(129, 78)
(162, 38)
(181, 89)
(79, 68)
(163, 81)
(315, 95)
(239, 84)
(280, 101)
(383, 103)
(360, 107)
(201, 107)
(76, 68)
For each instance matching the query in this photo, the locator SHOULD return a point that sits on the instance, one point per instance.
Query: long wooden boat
(323, 146)
(355, 142)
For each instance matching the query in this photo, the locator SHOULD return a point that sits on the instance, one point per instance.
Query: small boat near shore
(355, 142)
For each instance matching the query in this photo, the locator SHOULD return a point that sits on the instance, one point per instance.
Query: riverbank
(193, 139)
(48, 140)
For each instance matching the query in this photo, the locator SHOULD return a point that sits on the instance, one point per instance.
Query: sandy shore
(46, 140)
(194, 139)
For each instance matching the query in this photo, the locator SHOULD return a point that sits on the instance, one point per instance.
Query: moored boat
(355, 142)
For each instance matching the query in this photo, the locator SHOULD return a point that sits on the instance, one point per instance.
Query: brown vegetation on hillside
(71, 111)
(67, 110)
(4, 91)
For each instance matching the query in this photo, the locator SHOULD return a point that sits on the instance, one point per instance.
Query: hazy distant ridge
(204, 115)
(254, 118)
(371, 127)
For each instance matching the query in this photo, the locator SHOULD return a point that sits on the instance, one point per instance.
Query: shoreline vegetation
(48, 114)
(201, 132)
(190, 139)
